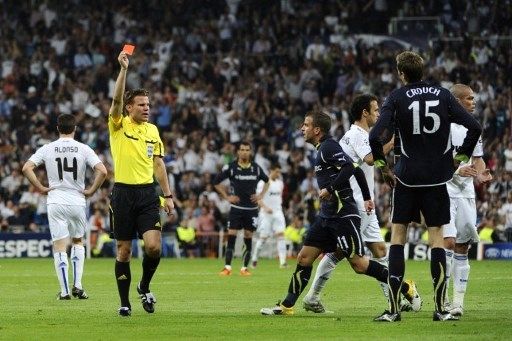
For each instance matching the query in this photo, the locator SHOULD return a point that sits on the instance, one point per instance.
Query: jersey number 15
(415, 107)
(64, 167)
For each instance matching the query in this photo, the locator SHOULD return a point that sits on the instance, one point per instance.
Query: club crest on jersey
(150, 150)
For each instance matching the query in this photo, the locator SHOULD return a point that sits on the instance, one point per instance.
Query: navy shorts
(409, 203)
(243, 219)
(134, 209)
(328, 234)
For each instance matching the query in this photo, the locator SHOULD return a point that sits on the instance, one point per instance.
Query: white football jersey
(462, 186)
(355, 144)
(65, 161)
(274, 196)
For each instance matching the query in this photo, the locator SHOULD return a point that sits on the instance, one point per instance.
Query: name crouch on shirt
(423, 90)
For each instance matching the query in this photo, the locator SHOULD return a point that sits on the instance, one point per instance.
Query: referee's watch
(168, 196)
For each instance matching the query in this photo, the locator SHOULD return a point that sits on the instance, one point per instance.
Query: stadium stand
(222, 71)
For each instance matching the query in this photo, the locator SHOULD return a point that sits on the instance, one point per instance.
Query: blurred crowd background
(223, 71)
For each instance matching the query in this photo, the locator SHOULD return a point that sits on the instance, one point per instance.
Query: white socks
(323, 273)
(61, 268)
(60, 260)
(460, 278)
(449, 269)
(257, 249)
(77, 262)
(281, 250)
(384, 286)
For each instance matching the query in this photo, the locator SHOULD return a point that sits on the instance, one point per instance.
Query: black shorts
(134, 209)
(243, 219)
(410, 202)
(328, 234)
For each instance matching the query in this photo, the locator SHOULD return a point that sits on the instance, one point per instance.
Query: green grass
(195, 303)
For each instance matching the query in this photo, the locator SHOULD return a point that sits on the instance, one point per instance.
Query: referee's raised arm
(116, 109)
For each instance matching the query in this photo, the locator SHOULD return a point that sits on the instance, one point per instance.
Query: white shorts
(66, 221)
(271, 224)
(462, 224)
(370, 229)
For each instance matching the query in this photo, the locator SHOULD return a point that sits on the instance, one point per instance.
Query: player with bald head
(462, 227)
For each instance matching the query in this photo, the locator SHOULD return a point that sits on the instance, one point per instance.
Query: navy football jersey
(329, 160)
(422, 114)
(243, 182)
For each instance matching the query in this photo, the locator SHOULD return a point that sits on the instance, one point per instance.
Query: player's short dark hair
(359, 104)
(131, 94)
(66, 123)
(244, 143)
(321, 120)
(411, 64)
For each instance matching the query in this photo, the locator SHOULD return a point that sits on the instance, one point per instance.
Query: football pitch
(194, 302)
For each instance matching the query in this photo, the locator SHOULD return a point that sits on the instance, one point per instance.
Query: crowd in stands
(223, 71)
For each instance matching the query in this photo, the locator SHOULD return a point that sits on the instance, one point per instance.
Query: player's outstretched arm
(116, 109)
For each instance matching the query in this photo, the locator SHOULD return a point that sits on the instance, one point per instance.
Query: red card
(128, 49)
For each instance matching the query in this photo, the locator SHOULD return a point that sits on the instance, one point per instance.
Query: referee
(137, 151)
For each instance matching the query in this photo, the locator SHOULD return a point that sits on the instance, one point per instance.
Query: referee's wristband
(168, 196)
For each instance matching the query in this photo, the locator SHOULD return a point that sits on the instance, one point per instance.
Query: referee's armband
(380, 163)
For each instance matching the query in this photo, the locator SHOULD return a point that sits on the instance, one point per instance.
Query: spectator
(232, 78)
(187, 238)
(294, 234)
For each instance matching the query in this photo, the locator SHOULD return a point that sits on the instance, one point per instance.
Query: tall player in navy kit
(337, 224)
(244, 176)
(422, 114)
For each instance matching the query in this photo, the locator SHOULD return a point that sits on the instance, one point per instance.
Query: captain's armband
(380, 164)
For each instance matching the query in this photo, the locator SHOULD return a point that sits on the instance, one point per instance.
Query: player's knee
(152, 250)
(77, 240)
(358, 265)
(379, 250)
(449, 243)
(304, 259)
(462, 248)
(123, 255)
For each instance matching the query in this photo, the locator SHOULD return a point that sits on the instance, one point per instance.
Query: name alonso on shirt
(67, 149)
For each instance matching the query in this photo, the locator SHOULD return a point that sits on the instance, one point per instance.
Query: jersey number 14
(64, 167)
(415, 107)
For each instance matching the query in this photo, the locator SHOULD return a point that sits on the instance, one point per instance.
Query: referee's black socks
(149, 266)
(123, 278)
